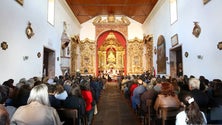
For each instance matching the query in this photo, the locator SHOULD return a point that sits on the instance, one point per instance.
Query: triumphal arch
(112, 52)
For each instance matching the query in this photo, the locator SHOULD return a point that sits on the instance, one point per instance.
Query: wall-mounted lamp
(38, 54)
(186, 54)
(25, 58)
(200, 57)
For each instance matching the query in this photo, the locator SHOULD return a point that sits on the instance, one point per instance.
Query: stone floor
(114, 109)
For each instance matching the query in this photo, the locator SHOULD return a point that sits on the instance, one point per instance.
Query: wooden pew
(68, 116)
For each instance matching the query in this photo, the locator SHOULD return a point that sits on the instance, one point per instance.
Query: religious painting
(161, 55)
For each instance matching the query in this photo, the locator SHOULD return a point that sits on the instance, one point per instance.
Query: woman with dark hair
(166, 98)
(88, 97)
(75, 101)
(192, 114)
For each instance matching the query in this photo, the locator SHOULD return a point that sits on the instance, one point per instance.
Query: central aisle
(114, 109)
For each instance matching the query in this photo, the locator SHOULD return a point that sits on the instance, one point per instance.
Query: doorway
(48, 63)
(176, 62)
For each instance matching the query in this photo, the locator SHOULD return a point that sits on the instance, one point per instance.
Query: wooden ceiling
(138, 10)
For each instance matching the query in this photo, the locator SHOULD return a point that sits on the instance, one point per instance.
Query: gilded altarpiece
(111, 23)
(88, 56)
(111, 55)
(135, 56)
(74, 55)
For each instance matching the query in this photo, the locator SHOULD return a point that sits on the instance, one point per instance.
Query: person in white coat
(192, 114)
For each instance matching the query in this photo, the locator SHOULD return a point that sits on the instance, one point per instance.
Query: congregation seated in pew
(212, 92)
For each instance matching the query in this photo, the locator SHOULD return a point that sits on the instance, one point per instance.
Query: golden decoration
(135, 56)
(111, 54)
(38, 54)
(111, 20)
(196, 29)
(29, 31)
(4, 45)
(88, 56)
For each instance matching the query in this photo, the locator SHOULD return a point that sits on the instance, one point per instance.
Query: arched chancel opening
(111, 53)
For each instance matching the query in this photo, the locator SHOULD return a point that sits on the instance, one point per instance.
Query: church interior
(164, 38)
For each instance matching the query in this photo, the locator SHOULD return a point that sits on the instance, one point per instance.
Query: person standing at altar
(109, 78)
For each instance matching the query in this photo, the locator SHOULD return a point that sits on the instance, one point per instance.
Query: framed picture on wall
(174, 40)
(20, 2)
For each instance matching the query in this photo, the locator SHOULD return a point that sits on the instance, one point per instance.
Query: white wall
(88, 30)
(209, 18)
(135, 30)
(14, 19)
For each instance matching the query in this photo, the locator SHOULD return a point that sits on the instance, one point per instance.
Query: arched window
(51, 11)
(173, 11)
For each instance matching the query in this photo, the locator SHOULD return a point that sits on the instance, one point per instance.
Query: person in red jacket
(88, 97)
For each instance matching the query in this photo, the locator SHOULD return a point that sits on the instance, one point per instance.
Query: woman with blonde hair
(38, 110)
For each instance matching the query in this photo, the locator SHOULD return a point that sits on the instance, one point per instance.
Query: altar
(111, 57)
(113, 73)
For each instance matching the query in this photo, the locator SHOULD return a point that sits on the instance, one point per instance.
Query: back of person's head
(153, 81)
(194, 83)
(194, 115)
(22, 80)
(51, 88)
(8, 83)
(84, 84)
(4, 116)
(36, 78)
(217, 88)
(67, 85)
(4, 93)
(59, 88)
(75, 90)
(167, 89)
(158, 80)
(37, 83)
(40, 94)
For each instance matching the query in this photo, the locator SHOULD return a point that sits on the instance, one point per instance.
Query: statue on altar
(111, 57)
